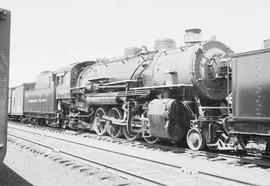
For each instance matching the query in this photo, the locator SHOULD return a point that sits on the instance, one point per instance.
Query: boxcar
(4, 77)
(9, 101)
(16, 102)
(251, 96)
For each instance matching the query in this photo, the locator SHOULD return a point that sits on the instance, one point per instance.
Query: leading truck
(4, 77)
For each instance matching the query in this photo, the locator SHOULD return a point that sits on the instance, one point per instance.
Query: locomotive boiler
(168, 93)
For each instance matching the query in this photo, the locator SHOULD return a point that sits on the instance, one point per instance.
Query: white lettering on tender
(32, 100)
(37, 100)
(42, 100)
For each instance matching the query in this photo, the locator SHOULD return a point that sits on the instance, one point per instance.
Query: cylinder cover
(167, 119)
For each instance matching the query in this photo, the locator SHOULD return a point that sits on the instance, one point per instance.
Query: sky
(50, 34)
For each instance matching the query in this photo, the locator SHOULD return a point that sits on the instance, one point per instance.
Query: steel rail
(208, 154)
(246, 158)
(136, 176)
(132, 156)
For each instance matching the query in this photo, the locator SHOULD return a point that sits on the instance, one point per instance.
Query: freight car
(16, 101)
(169, 93)
(249, 122)
(4, 77)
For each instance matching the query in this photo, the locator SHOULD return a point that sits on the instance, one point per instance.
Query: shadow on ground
(10, 178)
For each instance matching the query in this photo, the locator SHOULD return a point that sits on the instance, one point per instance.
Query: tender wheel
(34, 121)
(99, 126)
(195, 139)
(115, 131)
(151, 140)
(130, 137)
(47, 122)
(63, 124)
(267, 148)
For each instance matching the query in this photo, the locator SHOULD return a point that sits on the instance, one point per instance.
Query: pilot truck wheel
(195, 139)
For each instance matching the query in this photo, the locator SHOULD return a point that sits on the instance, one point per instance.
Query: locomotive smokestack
(193, 36)
(266, 43)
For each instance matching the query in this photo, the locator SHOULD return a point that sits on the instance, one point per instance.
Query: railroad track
(140, 176)
(241, 159)
(177, 170)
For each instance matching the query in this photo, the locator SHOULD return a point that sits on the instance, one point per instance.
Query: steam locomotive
(171, 93)
(4, 77)
(155, 94)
